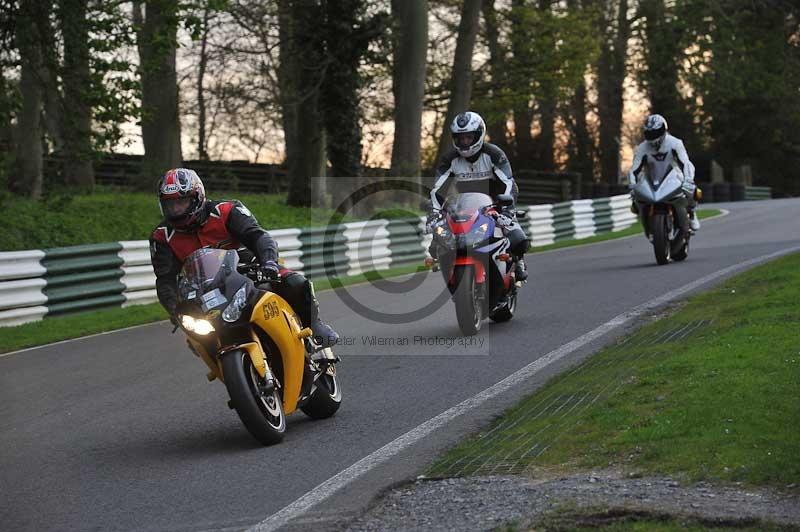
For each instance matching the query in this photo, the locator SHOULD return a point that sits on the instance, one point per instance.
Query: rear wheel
(468, 308)
(260, 409)
(327, 398)
(507, 312)
(661, 243)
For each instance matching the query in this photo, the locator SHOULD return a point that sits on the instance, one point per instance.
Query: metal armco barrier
(39, 283)
(757, 193)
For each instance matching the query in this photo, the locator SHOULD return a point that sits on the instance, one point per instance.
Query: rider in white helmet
(658, 153)
(477, 166)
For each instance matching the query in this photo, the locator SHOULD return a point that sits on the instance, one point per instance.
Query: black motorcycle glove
(269, 271)
(433, 218)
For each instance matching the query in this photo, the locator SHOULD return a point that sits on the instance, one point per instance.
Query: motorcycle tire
(262, 414)
(327, 398)
(507, 312)
(468, 311)
(661, 243)
(683, 253)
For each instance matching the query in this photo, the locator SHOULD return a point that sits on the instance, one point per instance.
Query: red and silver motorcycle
(473, 253)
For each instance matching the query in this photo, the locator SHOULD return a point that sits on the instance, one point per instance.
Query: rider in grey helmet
(659, 152)
(474, 165)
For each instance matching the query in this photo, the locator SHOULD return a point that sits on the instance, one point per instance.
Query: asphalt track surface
(123, 432)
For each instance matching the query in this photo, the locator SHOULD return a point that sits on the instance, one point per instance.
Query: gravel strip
(484, 503)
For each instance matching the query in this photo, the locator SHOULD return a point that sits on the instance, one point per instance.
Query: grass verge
(708, 393)
(109, 216)
(631, 521)
(635, 229)
(66, 327)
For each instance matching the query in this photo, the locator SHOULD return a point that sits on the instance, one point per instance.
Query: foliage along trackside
(708, 393)
(113, 216)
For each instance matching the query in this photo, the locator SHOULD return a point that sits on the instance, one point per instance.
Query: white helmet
(468, 132)
(655, 129)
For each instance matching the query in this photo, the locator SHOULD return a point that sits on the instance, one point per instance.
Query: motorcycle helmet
(655, 129)
(468, 131)
(182, 197)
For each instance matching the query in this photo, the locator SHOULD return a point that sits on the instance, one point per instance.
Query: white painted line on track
(345, 477)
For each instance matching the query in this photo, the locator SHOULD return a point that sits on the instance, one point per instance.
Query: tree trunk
(461, 80)
(77, 123)
(301, 76)
(610, 87)
(408, 84)
(664, 48)
(339, 96)
(161, 128)
(26, 178)
(496, 121)
(202, 148)
(581, 157)
(525, 150)
(547, 105)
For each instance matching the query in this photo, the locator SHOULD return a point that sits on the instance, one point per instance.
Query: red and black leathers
(226, 225)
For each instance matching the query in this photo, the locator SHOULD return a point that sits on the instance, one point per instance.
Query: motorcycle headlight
(234, 311)
(201, 327)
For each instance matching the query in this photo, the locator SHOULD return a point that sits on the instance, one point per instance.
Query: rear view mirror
(505, 200)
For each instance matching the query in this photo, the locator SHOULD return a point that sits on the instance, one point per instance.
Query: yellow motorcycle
(252, 340)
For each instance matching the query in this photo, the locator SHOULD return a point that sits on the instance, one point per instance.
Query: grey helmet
(655, 129)
(468, 131)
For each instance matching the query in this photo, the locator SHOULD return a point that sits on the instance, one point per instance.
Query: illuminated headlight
(201, 327)
(234, 311)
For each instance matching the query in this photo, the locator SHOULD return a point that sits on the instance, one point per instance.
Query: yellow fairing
(277, 318)
(211, 362)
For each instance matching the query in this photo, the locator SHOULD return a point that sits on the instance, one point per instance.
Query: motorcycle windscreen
(464, 206)
(670, 187)
(643, 192)
(205, 270)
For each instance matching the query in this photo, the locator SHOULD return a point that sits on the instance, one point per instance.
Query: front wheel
(468, 308)
(260, 410)
(661, 234)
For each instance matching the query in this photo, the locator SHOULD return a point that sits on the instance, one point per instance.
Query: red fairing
(478, 268)
(214, 233)
(459, 228)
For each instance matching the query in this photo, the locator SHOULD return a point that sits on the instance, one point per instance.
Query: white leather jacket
(671, 154)
(488, 171)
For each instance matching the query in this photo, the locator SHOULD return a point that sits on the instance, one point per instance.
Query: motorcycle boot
(299, 292)
(694, 222)
(323, 334)
(521, 272)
